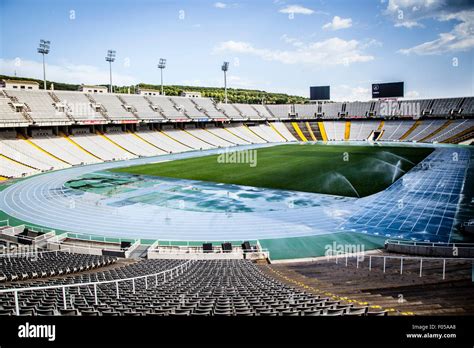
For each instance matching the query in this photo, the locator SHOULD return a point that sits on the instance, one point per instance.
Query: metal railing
(360, 257)
(18, 253)
(175, 271)
(432, 244)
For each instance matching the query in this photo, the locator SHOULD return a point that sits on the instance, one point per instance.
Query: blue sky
(273, 45)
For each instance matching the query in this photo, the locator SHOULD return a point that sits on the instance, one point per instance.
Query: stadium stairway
(195, 136)
(176, 140)
(322, 130)
(347, 131)
(467, 134)
(310, 131)
(21, 136)
(315, 129)
(255, 134)
(15, 161)
(80, 147)
(436, 131)
(292, 131)
(298, 131)
(217, 136)
(409, 131)
(381, 124)
(406, 293)
(146, 141)
(304, 130)
(102, 135)
(276, 131)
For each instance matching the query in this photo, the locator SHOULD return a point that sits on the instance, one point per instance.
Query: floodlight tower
(44, 49)
(225, 68)
(110, 58)
(161, 66)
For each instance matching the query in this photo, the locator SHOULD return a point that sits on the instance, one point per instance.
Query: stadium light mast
(225, 68)
(110, 58)
(44, 49)
(161, 66)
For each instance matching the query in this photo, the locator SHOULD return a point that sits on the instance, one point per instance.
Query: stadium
(138, 201)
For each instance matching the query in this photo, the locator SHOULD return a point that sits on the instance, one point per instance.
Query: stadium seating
(263, 111)
(189, 107)
(8, 115)
(228, 136)
(281, 128)
(41, 151)
(230, 111)
(331, 110)
(113, 106)
(248, 111)
(167, 108)
(13, 169)
(210, 137)
(208, 107)
(213, 287)
(62, 148)
(48, 264)
(280, 111)
(306, 110)
(394, 130)
(267, 133)
(134, 144)
(78, 106)
(162, 141)
(245, 133)
(358, 109)
(334, 130)
(452, 129)
(142, 108)
(360, 130)
(425, 129)
(186, 138)
(101, 147)
(39, 106)
(25, 153)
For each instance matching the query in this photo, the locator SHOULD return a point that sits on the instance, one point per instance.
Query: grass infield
(344, 170)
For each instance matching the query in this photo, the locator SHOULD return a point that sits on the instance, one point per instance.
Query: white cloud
(349, 93)
(224, 5)
(412, 94)
(220, 5)
(292, 41)
(411, 13)
(296, 9)
(461, 38)
(67, 73)
(334, 51)
(408, 24)
(338, 23)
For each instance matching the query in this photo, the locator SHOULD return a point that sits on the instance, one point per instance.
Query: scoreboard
(387, 90)
(319, 93)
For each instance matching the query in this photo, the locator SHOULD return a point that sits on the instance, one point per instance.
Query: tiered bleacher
(202, 288)
(47, 264)
(156, 125)
(39, 106)
(188, 108)
(79, 107)
(168, 109)
(114, 107)
(230, 111)
(142, 108)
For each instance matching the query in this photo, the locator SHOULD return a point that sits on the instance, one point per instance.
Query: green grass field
(332, 169)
